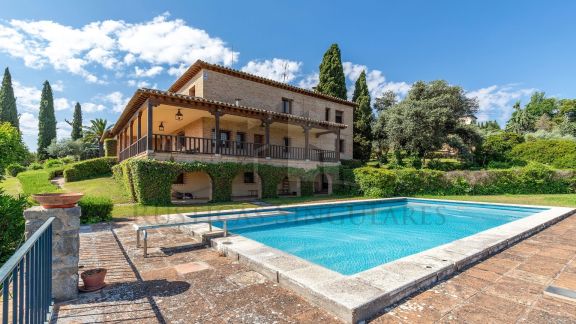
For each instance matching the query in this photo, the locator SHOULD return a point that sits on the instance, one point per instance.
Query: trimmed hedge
(558, 153)
(12, 224)
(15, 168)
(149, 181)
(95, 209)
(89, 169)
(534, 178)
(110, 147)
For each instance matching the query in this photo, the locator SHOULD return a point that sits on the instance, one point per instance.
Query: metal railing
(133, 149)
(27, 280)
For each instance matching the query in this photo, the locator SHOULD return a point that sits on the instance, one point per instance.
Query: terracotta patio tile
(529, 276)
(556, 306)
(565, 280)
(472, 314)
(537, 316)
(516, 290)
(542, 265)
(471, 281)
(482, 274)
(416, 312)
(499, 266)
(386, 319)
(508, 309)
(454, 289)
(558, 253)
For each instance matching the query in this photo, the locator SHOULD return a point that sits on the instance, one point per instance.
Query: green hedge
(110, 147)
(89, 169)
(149, 182)
(534, 178)
(12, 224)
(15, 168)
(558, 153)
(95, 209)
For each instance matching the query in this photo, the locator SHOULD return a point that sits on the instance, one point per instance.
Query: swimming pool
(354, 237)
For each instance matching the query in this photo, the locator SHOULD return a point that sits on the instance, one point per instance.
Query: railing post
(306, 142)
(338, 145)
(267, 123)
(217, 130)
(149, 144)
(63, 255)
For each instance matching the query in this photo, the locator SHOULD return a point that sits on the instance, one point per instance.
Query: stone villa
(256, 120)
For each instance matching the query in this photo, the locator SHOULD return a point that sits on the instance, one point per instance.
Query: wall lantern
(161, 127)
(179, 115)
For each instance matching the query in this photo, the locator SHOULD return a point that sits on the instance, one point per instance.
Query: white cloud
(148, 73)
(177, 70)
(276, 69)
(61, 104)
(495, 102)
(91, 107)
(57, 86)
(111, 45)
(117, 100)
(375, 80)
(63, 130)
(28, 124)
(27, 98)
(310, 81)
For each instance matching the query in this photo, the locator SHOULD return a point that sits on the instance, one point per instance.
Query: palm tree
(93, 133)
(521, 121)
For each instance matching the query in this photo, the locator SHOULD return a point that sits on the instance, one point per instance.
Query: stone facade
(65, 246)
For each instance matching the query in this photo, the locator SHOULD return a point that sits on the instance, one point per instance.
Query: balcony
(198, 145)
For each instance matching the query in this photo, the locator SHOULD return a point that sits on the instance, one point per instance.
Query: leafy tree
(544, 123)
(363, 119)
(332, 80)
(76, 122)
(490, 125)
(540, 105)
(46, 121)
(12, 149)
(521, 121)
(430, 114)
(496, 147)
(94, 132)
(8, 111)
(387, 100)
(77, 148)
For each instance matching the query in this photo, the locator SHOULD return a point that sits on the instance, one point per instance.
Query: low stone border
(360, 296)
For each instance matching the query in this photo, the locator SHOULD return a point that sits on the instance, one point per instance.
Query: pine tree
(332, 80)
(76, 122)
(363, 120)
(46, 121)
(8, 112)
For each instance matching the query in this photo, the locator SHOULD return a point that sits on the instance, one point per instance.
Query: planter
(58, 200)
(93, 279)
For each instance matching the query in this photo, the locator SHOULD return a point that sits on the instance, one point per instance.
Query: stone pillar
(65, 246)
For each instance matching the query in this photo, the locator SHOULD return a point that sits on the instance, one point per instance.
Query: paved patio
(181, 282)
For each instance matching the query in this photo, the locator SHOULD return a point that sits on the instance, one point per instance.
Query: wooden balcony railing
(199, 145)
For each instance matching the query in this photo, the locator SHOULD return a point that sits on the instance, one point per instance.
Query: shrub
(411, 182)
(80, 149)
(35, 166)
(15, 168)
(375, 182)
(447, 165)
(51, 163)
(12, 224)
(68, 160)
(557, 153)
(95, 209)
(110, 147)
(12, 149)
(89, 169)
(496, 147)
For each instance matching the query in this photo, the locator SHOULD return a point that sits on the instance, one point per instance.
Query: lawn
(303, 200)
(135, 210)
(102, 187)
(36, 181)
(559, 200)
(11, 186)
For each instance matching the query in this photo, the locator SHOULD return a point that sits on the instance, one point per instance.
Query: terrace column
(306, 142)
(267, 123)
(217, 113)
(131, 132)
(150, 139)
(139, 126)
(338, 145)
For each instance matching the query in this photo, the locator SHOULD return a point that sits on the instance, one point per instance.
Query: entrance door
(259, 145)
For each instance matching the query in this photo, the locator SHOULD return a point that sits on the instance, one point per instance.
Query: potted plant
(58, 200)
(93, 279)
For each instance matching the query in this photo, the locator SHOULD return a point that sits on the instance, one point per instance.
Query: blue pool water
(353, 237)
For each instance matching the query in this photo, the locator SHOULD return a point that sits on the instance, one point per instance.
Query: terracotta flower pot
(58, 200)
(93, 279)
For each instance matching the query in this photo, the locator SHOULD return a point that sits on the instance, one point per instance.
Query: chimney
(238, 101)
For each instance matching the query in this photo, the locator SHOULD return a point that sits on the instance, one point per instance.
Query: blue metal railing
(26, 280)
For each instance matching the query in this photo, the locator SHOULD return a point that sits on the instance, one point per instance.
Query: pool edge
(365, 294)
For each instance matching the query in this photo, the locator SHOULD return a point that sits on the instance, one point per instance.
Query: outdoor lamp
(161, 127)
(179, 115)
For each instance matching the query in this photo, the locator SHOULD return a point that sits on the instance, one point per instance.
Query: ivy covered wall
(149, 181)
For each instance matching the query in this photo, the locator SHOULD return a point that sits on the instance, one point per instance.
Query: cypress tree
(363, 119)
(332, 80)
(8, 112)
(46, 121)
(76, 122)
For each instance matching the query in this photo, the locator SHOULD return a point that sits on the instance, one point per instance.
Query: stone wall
(65, 246)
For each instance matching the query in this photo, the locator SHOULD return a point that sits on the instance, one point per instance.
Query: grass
(136, 210)
(36, 181)
(558, 200)
(99, 187)
(11, 186)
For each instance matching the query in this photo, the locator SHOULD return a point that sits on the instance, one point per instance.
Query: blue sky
(100, 52)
